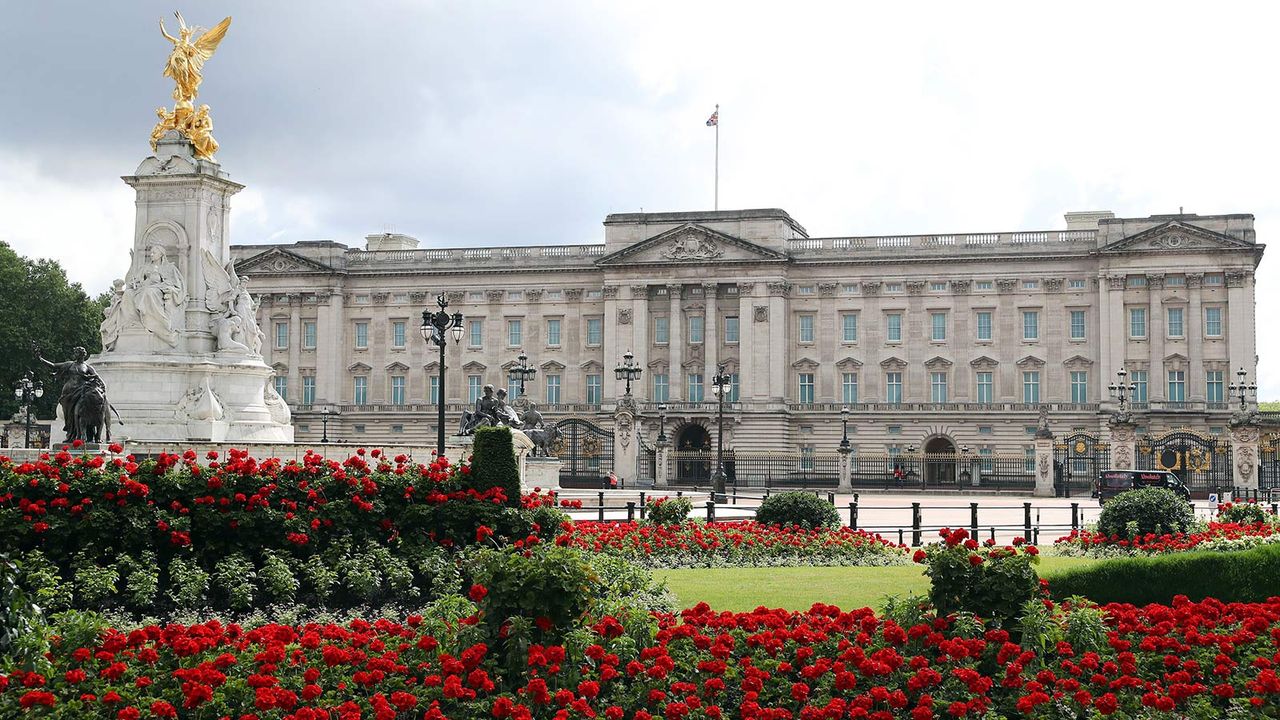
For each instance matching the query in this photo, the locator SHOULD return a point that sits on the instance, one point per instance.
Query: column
(1195, 338)
(1123, 443)
(331, 334)
(675, 345)
(1103, 331)
(1118, 325)
(1240, 327)
(779, 341)
(1244, 453)
(615, 343)
(1158, 380)
(294, 392)
(1044, 463)
(662, 453)
(845, 485)
(747, 339)
(639, 319)
(710, 334)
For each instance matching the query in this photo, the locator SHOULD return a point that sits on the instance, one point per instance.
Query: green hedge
(1248, 576)
(493, 463)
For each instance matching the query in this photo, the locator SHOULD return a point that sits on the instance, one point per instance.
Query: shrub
(1149, 510)
(548, 520)
(991, 582)
(668, 510)
(1246, 576)
(494, 463)
(552, 586)
(20, 618)
(1246, 513)
(797, 508)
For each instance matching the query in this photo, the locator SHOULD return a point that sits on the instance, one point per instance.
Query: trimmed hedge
(1140, 512)
(493, 463)
(797, 508)
(1247, 576)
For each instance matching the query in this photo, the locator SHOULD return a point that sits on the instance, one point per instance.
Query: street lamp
(1242, 389)
(628, 370)
(720, 383)
(966, 472)
(26, 390)
(911, 451)
(1120, 391)
(518, 373)
(433, 329)
(844, 423)
(662, 422)
(325, 413)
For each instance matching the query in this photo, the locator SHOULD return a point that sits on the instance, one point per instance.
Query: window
(362, 334)
(849, 288)
(473, 388)
(806, 458)
(1174, 326)
(849, 388)
(1175, 281)
(1136, 281)
(1213, 279)
(553, 389)
(735, 388)
(595, 331)
(696, 327)
(281, 384)
(987, 456)
(661, 388)
(1030, 284)
(893, 387)
(1139, 380)
(1030, 325)
(984, 326)
(937, 286)
(1137, 322)
(397, 334)
(1075, 284)
(661, 330)
(1079, 386)
(513, 388)
(939, 322)
(515, 294)
(806, 388)
(731, 329)
(594, 392)
(595, 294)
(694, 387)
(1029, 459)
(806, 328)
(1031, 386)
(553, 332)
(804, 290)
(1213, 386)
(397, 389)
(309, 335)
(308, 389)
(282, 335)
(938, 387)
(475, 333)
(515, 332)
(849, 327)
(984, 388)
(397, 428)
(893, 327)
(360, 391)
(555, 294)
(435, 390)
(893, 287)
(1077, 324)
(1177, 386)
(1213, 322)
(473, 295)
(983, 285)
(986, 430)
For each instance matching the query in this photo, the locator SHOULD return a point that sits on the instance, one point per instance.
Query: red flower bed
(740, 542)
(1186, 660)
(1170, 542)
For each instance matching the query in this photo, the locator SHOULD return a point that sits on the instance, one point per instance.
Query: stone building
(936, 343)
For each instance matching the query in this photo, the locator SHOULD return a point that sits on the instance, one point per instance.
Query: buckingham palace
(935, 344)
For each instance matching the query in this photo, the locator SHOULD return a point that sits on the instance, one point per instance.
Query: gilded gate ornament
(184, 65)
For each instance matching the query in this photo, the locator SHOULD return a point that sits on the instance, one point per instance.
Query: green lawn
(797, 588)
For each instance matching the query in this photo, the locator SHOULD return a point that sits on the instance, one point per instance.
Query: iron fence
(763, 470)
(941, 471)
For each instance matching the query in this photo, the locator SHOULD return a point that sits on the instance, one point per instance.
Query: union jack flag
(714, 120)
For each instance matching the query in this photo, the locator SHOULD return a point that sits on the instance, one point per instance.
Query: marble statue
(154, 295)
(235, 314)
(276, 405)
(114, 319)
(86, 414)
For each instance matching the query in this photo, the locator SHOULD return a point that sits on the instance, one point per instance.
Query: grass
(798, 588)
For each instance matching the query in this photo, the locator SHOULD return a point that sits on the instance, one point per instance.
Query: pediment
(984, 362)
(893, 363)
(691, 244)
(1175, 358)
(396, 367)
(1030, 361)
(552, 365)
(1077, 361)
(937, 361)
(849, 362)
(432, 367)
(805, 364)
(658, 364)
(278, 261)
(475, 367)
(590, 365)
(1177, 236)
(692, 364)
(358, 368)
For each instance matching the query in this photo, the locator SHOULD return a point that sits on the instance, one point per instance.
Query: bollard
(855, 497)
(853, 515)
(831, 498)
(643, 505)
(993, 534)
(915, 524)
(1075, 516)
(1026, 521)
(1036, 532)
(973, 520)
(1275, 508)
(899, 536)
(711, 510)
(602, 507)
(631, 511)
(679, 493)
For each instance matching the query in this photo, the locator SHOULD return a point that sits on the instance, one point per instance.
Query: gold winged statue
(184, 66)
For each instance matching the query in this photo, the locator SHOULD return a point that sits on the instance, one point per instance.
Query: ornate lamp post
(1121, 390)
(844, 423)
(325, 413)
(966, 473)
(720, 383)
(518, 373)
(911, 451)
(433, 330)
(27, 390)
(628, 370)
(662, 422)
(1243, 390)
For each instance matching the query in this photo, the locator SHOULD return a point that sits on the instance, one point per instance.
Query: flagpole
(717, 191)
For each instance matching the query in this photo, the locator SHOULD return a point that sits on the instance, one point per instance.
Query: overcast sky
(497, 123)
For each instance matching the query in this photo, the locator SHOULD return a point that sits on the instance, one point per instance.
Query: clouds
(488, 123)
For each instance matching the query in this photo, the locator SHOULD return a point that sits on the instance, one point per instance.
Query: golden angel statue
(188, 57)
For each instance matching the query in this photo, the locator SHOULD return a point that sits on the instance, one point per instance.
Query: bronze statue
(184, 65)
(485, 414)
(83, 398)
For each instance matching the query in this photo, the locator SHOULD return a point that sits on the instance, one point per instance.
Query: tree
(39, 305)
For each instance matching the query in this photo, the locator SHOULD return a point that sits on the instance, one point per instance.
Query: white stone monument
(181, 345)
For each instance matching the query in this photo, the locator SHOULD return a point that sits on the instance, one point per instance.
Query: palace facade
(934, 342)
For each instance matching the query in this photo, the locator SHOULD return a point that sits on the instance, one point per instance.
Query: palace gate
(586, 453)
(1077, 460)
(1202, 462)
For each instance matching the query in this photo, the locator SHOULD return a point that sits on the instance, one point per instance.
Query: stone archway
(693, 454)
(940, 461)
